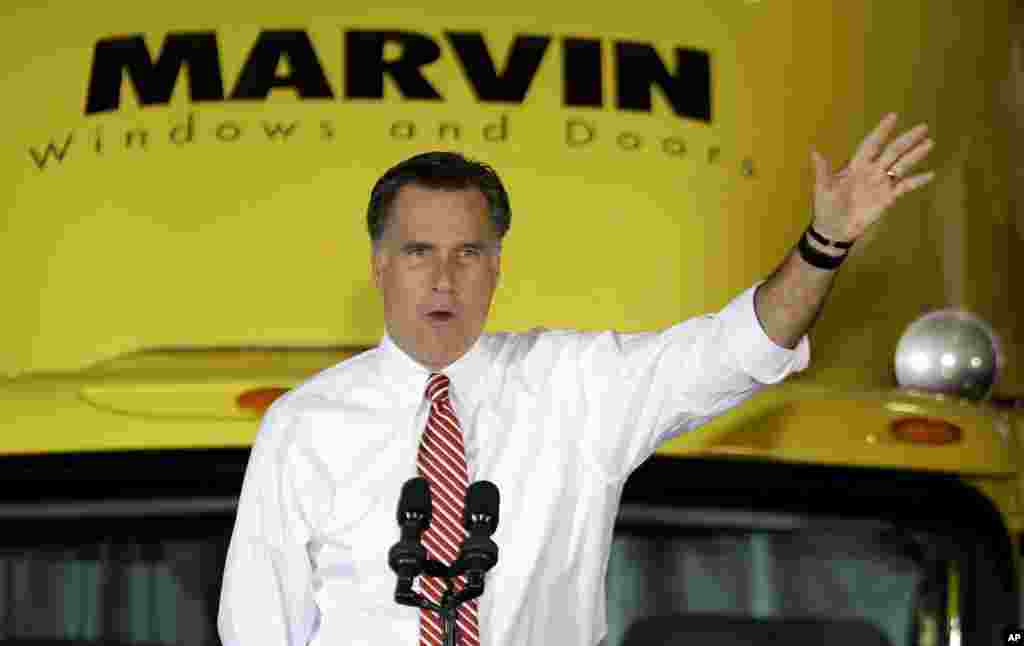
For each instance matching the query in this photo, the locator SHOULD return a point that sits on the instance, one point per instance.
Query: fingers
(897, 156)
(906, 150)
(870, 148)
(908, 184)
(916, 154)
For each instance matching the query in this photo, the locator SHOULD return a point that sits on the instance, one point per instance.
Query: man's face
(436, 267)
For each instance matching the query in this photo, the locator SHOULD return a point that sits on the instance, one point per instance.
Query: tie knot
(437, 388)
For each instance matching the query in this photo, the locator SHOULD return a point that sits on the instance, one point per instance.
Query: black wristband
(817, 258)
(825, 241)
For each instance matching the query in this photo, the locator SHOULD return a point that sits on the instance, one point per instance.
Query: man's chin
(439, 354)
(436, 357)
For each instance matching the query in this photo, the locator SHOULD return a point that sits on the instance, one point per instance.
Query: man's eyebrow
(420, 244)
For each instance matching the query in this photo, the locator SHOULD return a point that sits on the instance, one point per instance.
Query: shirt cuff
(752, 349)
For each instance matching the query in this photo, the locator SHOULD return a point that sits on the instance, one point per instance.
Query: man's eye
(470, 251)
(417, 251)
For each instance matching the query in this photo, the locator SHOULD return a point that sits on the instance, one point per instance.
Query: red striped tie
(442, 461)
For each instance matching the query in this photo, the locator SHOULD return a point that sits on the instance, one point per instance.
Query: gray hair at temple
(438, 170)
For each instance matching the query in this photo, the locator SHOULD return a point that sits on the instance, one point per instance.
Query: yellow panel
(241, 223)
(798, 423)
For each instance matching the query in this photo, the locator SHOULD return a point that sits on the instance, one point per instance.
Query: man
(556, 419)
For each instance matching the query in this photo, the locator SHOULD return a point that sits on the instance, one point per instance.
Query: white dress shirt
(556, 419)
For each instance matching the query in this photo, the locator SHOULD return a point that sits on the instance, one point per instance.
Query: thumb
(821, 169)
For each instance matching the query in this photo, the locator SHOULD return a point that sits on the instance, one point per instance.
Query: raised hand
(849, 201)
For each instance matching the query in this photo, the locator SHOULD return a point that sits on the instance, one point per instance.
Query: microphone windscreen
(482, 499)
(415, 498)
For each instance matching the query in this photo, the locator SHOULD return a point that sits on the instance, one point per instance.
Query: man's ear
(376, 266)
(496, 259)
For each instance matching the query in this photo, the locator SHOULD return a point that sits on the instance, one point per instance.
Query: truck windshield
(704, 552)
(675, 576)
(722, 577)
(744, 551)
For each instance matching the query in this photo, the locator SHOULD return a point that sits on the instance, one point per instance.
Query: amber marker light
(258, 400)
(923, 430)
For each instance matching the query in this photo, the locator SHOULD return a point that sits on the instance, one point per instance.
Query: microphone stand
(450, 600)
(449, 616)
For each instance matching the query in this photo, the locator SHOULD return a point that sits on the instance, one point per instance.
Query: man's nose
(444, 274)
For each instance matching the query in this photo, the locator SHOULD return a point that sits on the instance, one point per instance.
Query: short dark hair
(439, 170)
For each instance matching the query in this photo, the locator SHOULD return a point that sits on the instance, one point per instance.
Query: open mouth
(440, 316)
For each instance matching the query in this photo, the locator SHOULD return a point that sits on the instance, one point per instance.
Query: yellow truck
(183, 196)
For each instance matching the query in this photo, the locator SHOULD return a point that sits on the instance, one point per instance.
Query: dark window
(130, 548)
(125, 587)
(123, 548)
(743, 551)
(704, 574)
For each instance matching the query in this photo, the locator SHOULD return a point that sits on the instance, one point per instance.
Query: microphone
(407, 556)
(479, 553)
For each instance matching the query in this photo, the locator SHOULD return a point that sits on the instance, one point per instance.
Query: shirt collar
(410, 377)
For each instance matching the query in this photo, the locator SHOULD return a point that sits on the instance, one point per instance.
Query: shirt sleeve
(640, 389)
(267, 593)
